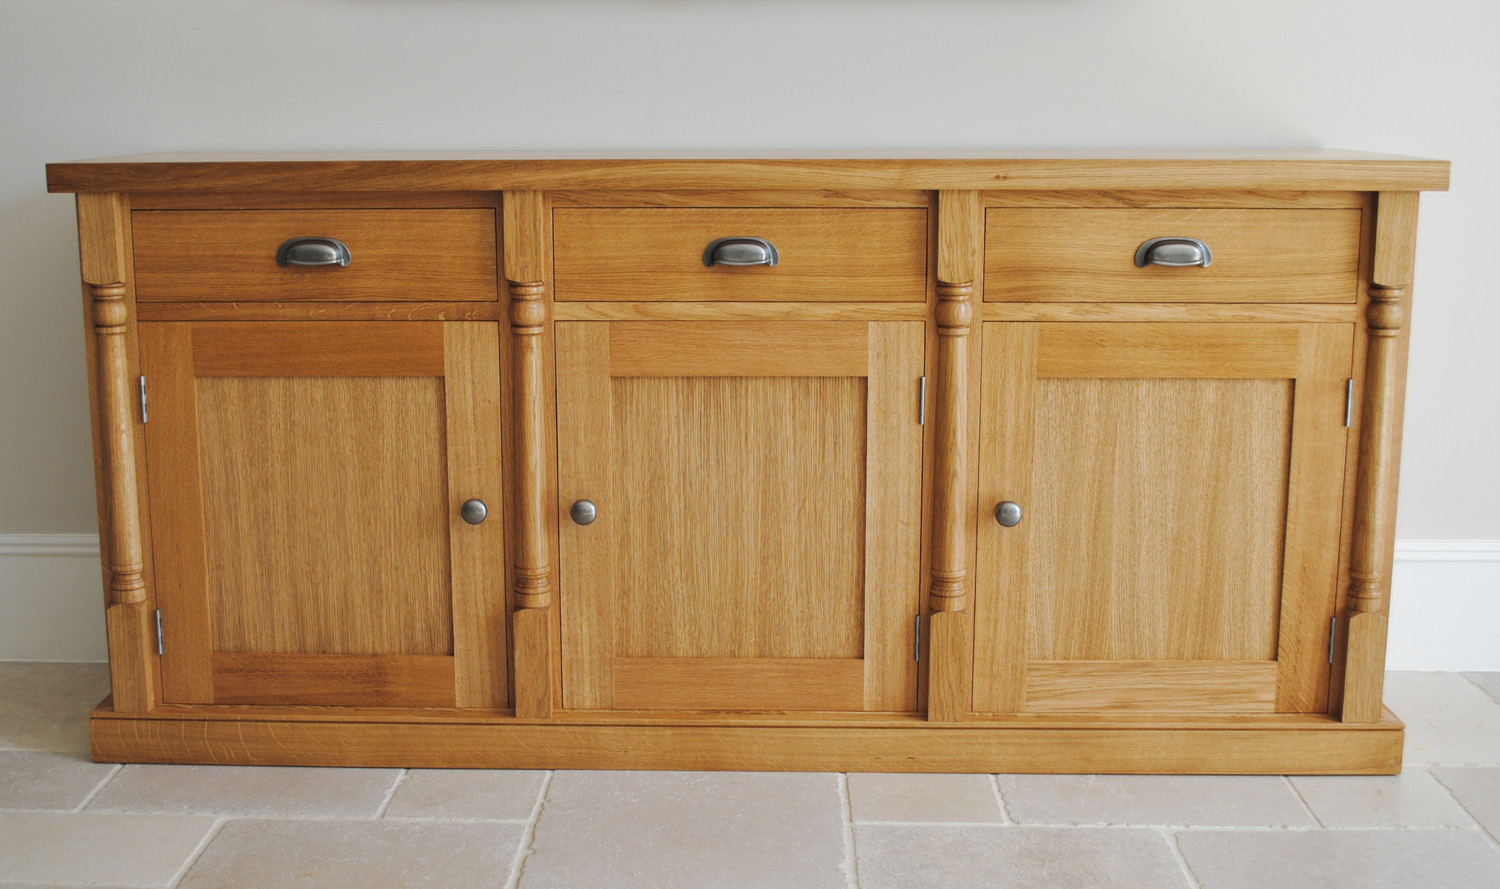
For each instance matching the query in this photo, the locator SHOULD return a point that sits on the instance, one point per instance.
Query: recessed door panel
(1181, 486)
(311, 549)
(757, 489)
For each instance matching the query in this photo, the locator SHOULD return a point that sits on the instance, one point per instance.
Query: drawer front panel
(656, 254)
(1088, 255)
(230, 255)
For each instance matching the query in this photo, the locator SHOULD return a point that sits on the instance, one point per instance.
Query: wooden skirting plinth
(1311, 745)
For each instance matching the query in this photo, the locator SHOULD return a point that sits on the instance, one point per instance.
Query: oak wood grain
(655, 254)
(1238, 687)
(1029, 170)
(1258, 745)
(1071, 255)
(333, 680)
(209, 255)
(1372, 549)
(725, 683)
(103, 234)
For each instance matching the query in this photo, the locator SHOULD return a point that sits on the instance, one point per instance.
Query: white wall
(89, 79)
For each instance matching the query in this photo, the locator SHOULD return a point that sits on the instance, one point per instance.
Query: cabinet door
(1181, 488)
(306, 481)
(758, 497)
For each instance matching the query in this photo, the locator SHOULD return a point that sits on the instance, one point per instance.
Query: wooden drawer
(656, 254)
(230, 255)
(1088, 255)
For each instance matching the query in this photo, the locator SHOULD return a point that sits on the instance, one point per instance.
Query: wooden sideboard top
(480, 171)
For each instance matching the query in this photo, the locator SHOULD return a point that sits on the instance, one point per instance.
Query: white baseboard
(1445, 602)
(51, 598)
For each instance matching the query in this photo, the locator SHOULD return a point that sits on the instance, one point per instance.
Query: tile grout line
(846, 810)
(100, 787)
(1486, 692)
(528, 835)
(1000, 800)
(203, 844)
(1494, 841)
(1292, 786)
(391, 794)
(1192, 878)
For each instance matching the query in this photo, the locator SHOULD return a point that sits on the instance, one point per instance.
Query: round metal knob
(1008, 513)
(584, 512)
(473, 511)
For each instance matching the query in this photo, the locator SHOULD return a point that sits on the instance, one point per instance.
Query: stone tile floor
(66, 822)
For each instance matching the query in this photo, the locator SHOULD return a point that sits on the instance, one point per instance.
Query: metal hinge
(922, 401)
(160, 648)
(1333, 634)
(1348, 402)
(143, 397)
(916, 640)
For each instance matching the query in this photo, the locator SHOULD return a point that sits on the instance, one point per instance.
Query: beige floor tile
(363, 854)
(973, 857)
(1449, 720)
(1152, 800)
(1411, 799)
(247, 791)
(948, 798)
(35, 779)
(46, 706)
(109, 850)
(688, 830)
(467, 794)
(1490, 682)
(1479, 792)
(1341, 859)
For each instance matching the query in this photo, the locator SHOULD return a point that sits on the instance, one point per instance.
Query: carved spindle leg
(129, 623)
(1373, 548)
(949, 643)
(533, 585)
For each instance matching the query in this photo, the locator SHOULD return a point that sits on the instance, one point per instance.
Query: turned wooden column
(129, 623)
(525, 262)
(1374, 541)
(950, 645)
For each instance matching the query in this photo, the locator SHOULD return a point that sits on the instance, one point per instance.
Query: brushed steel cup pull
(584, 512)
(473, 511)
(1174, 252)
(1008, 513)
(313, 252)
(740, 251)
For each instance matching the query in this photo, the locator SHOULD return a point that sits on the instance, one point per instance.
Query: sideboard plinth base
(1284, 744)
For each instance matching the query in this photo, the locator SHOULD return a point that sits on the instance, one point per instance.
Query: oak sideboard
(1046, 462)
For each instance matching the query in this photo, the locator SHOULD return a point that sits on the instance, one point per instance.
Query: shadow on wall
(47, 450)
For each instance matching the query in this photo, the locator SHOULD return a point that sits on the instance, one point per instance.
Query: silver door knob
(740, 251)
(1008, 513)
(584, 512)
(473, 511)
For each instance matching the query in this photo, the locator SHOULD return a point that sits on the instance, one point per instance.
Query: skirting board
(1445, 602)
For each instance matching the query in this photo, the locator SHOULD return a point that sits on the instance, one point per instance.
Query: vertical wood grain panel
(741, 507)
(893, 515)
(327, 522)
(176, 481)
(1005, 465)
(1157, 512)
(471, 394)
(585, 461)
(1315, 498)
